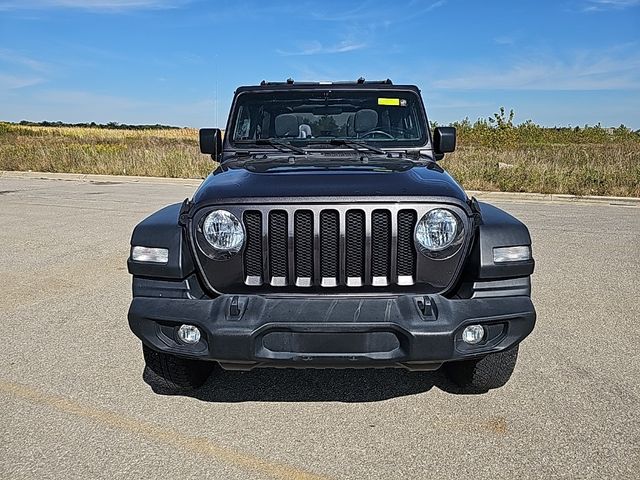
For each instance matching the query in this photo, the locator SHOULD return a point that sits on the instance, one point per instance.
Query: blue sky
(564, 62)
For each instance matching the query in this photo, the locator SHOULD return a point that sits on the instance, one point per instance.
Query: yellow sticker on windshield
(389, 101)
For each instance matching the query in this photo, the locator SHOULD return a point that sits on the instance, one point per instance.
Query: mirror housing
(444, 141)
(211, 141)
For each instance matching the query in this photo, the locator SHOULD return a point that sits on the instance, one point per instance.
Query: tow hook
(426, 307)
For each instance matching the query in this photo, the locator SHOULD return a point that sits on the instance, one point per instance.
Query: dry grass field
(590, 169)
(162, 153)
(499, 157)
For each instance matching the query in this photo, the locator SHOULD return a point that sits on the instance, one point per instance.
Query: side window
(243, 124)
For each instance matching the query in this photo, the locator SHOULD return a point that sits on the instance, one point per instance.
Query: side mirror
(444, 141)
(211, 141)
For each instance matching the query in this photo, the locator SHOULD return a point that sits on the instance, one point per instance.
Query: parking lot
(74, 403)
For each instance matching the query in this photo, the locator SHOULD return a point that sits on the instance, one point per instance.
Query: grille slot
(303, 247)
(278, 257)
(253, 249)
(380, 246)
(354, 238)
(329, 245)
(406, 249)
(316, 247)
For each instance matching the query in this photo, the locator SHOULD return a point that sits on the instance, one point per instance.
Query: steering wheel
(372, 132)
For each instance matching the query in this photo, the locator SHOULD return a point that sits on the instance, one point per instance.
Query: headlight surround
(224, 233)
(439, 233)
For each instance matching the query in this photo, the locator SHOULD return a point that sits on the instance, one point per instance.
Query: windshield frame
(423, 144)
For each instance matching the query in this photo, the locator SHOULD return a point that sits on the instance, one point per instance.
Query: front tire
(487, 373)
(175, 373)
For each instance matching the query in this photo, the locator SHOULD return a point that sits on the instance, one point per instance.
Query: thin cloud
(601, 5)
(504, 40)
(359, 12)
(14, 82)
(370, 13)
(433, 6)
(317, 48)
(97, 101)
(457, 105)
(91, 5)
(588, 71)
(361, 24)
(20, 71)
(16, 58)
(86, 106)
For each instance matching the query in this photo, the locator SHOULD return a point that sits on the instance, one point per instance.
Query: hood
(336, 181)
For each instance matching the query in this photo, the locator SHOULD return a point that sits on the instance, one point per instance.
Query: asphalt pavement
(74, 402)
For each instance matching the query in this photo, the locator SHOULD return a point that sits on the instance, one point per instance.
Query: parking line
(198, 445)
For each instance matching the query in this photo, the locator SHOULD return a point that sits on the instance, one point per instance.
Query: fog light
(473, 334)
(189, 334)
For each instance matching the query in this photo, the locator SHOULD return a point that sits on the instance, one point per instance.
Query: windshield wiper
(356, 145)
(277, 144)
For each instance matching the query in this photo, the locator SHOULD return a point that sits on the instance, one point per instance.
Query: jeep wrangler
(329, 237)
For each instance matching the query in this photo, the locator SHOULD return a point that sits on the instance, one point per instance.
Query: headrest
(287, 125)
(365, 120)
(305, 131)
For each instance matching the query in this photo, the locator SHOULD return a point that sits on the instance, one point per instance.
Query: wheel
(480, 376)
(175, 373)
(372, 132)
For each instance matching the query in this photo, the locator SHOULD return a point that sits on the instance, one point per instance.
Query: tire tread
(176, 373)
(487, 373)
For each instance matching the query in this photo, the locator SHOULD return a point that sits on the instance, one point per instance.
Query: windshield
(384, 118)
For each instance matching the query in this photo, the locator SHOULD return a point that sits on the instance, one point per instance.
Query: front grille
(329, 248)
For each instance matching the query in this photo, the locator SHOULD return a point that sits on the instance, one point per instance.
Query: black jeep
(329, 237)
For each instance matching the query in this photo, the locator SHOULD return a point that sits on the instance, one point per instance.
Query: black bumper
(242, 332)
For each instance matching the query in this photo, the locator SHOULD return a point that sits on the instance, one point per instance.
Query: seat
(365, 120)
(287, 125)
(350, 131)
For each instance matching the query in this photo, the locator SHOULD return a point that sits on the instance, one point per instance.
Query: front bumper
(243, 332)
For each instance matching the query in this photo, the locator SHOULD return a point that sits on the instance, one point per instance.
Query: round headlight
(223, 231)
(439, 230)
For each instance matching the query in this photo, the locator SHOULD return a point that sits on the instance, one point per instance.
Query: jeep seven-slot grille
(329, 248)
